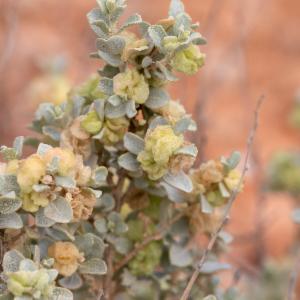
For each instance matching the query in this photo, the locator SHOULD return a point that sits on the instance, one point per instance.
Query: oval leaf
(11, 221)
(180, 181)
(11, 261)
(94, 266)
(9, 203)
(133, 143)
(157, 98)
(59, 211)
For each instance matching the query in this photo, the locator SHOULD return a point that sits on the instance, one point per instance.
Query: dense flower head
(215, 182)
(188, 60)
(66, 257)
(91, 123)
(160, 145)
(33, 172)
(131, 85)
(36, 284)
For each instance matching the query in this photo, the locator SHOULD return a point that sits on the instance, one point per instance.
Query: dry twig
(155, 237)
(233, 196)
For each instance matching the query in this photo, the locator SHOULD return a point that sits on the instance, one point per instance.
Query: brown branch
(293, 279)
(155, 237)
(225, 218)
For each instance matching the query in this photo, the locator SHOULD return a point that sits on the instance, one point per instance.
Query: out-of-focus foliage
(284, 172)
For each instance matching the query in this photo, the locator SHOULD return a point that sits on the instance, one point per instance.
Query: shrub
(109, 202)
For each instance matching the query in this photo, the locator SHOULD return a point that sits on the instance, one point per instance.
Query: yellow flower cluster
(37, 284)
(188, 60)
(113, 129)
(160, 145)
(32, 171)
(131, 85)
(207, 180)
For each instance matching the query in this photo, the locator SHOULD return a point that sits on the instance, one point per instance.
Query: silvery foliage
(124, 193)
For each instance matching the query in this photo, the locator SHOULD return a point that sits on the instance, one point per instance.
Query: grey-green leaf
(8, 183)
(11, 261)
(100, 175)
(233, 160)
(106, 86)
(65, 182)
(101, 225)
(180, 181)
(188, 150)
(128, 162)
(157, 34)
(41, 220)
(72, 282)
(112, 59)
(206, 208)
(133, 143)
(114, 112)
(132, 20)
(185, 124)
(176, 7)
(18, 145)
(62, 294)
(9, 203)
(214, 266)
(114, 45)
(180, 256)
(122, 245)
(43, 148)
(130, 109)
(157, 98)
(11, 221)
(94, 266)
(59, 211)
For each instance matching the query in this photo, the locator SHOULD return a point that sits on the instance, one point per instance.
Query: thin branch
(233, 196)
(293, 279)
(155, 237)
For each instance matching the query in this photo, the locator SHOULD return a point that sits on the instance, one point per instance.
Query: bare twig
(155, 237)
(233, 196)
(293, 279)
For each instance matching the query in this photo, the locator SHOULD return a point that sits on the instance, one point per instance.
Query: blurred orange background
(253, 49)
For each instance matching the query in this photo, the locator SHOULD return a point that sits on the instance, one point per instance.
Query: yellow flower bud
(31, 202)
(160, 144)
(30, 283)
(170, 43)
(114, 130)
(188, 60)
(91, 123)
(30, 172)
(12, 167)
(131, 85)
(232, 180)
(67, 257)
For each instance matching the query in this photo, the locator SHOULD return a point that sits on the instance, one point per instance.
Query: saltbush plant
(109, 203)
